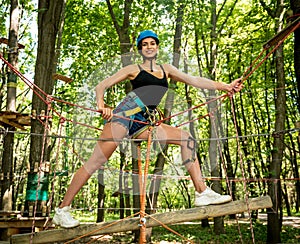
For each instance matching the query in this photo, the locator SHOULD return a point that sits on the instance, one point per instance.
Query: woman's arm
(201, 82)
(121, 75)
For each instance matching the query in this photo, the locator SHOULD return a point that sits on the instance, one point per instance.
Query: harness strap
(141, 107)
(131, 112)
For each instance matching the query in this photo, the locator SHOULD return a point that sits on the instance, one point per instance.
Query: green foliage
(197, 234)
(90, 52)
(206, 235)
(4, 13)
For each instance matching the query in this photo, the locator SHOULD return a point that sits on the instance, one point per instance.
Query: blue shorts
(133, 124)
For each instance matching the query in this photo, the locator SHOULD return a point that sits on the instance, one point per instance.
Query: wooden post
(191, 214)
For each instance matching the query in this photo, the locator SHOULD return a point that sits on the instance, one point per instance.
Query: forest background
(248, 146)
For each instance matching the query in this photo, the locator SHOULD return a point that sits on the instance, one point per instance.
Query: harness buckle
(150, 115)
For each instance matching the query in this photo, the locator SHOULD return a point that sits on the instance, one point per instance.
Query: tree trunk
(214, 125)
(274, 215)
(8, 144)
(101, 196)
(49, 20)
(295, 6)
(125, 46)
(274, 187)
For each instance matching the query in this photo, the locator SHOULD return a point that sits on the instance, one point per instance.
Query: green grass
(197, 234)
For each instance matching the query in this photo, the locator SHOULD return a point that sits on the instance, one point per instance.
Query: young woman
(149, 82)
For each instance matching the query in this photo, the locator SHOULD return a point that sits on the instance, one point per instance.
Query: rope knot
(62, 120)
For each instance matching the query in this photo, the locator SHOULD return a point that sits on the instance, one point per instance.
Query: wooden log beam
(14, 119)
(280, 35)
(11, 123)
(132, 223)
(5, 41)
(62, 77)
(22, 223)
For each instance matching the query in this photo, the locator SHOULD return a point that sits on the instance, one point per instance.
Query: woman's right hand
(107, 113)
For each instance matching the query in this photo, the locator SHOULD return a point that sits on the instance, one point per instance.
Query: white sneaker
(209, 196)
(63, 218)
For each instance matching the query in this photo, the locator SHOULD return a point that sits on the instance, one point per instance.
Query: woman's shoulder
(131, 66)
(131, 70)
(168, 67)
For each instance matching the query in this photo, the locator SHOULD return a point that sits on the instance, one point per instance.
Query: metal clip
(142, 222)
(150, 115)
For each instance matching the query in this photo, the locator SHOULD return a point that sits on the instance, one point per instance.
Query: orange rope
(143, 188)
(101, 228)
(169, 229)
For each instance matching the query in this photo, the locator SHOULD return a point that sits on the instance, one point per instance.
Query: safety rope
(253, 67)
(143, 186)
(99, 229)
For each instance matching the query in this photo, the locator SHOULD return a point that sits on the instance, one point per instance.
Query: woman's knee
(188, 140)
(94, 163)
(98, 157)
(92, 168)
(189, 145)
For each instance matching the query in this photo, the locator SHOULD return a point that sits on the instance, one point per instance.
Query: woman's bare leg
(102, 151)
(177, 136)
(79, 179)
(203, 195)
(195, 172)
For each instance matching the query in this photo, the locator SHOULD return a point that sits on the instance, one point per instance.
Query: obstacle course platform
(14, 119)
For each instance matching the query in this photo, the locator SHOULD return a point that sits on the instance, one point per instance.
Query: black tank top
(149, 88)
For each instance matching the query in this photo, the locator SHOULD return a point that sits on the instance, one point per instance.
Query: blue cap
(145, 34)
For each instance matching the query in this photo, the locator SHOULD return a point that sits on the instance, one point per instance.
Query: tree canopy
(220, 40)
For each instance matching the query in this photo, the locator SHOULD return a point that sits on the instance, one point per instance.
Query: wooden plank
(14, 119)
(24, 120)
(280, 35)
(5, 41)
(9, 116)
(11, 123)
(62, 77)
(132, 223)
(9, 213)
(22, 223)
